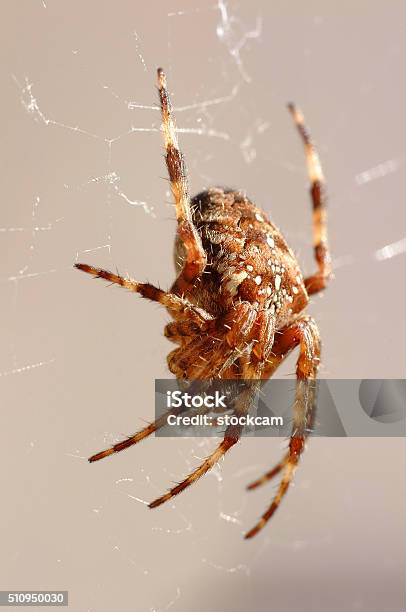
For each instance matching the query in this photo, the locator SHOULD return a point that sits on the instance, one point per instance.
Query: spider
(237, 302)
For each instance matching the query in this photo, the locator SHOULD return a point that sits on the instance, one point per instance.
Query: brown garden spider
(236, 302)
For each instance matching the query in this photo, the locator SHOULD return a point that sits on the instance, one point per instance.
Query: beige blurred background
(80, 153)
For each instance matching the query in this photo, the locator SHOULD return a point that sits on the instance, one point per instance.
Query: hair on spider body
(237, 302)
(247, 258)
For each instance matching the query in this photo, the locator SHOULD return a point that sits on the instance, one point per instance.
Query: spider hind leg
(269, 475)
(319, 280)
(305, 333)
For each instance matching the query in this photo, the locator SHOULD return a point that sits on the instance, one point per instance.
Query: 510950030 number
(33, 598)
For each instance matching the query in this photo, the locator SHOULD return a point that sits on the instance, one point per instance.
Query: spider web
(86, 181)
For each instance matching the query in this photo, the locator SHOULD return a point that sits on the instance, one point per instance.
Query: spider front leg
(180, 308)
(195, 256)
(317, 281)
(305, 333)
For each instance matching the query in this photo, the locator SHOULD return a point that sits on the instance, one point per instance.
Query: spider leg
(131, 440)
(144, 433)
(282, 347)
(195, 256)
(304, 332)
(231, 437)
(179, 307)
(317, 281)
(242, 317)
(268, 475)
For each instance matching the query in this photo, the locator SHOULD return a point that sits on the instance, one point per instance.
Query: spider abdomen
(248, 259)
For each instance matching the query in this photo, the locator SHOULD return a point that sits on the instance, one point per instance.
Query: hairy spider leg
(304, 332)
(179, 307)
(195, 256)
(319, 280)
(231, 437)
(134, 439)
(281, 348)
(145, 432)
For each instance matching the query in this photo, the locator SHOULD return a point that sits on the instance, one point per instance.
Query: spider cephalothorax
(236, 302)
